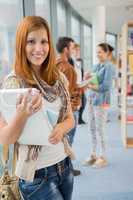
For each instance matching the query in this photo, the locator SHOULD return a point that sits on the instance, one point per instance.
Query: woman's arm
(93, 87)
(62, 128)
(107, 80)
(10, 132)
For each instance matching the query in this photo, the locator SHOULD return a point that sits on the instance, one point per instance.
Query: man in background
(66, 47)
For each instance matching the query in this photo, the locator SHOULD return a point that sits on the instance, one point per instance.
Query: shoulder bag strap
(5, 158)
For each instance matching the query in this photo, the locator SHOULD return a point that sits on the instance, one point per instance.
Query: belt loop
(60, 169)
(61, 166)
(46, 174)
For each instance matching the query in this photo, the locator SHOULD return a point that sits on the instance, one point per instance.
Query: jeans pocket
(30, 188)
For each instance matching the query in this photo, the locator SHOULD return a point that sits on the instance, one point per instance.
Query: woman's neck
(102, 61)
(36, 69)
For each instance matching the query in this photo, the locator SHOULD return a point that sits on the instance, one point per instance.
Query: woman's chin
(37, 64)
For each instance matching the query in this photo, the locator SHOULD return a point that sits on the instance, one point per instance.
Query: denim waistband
(53, 170)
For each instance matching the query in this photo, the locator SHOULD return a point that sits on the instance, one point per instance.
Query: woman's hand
(57, 134)
(87, 76)
(93, 87)
(28, 107)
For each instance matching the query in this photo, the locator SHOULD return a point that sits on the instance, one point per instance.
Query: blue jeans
(71, 134)
(51, 183)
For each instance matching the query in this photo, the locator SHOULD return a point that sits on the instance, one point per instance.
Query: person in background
(66, 47)
(78, 64)
(45, 172)
(99, 101)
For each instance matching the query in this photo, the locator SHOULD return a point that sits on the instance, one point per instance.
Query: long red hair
(49, 71)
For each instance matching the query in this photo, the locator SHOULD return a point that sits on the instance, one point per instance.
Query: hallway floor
(115, 182)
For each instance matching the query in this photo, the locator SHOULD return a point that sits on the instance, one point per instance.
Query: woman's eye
(44, 42)
(30, 42)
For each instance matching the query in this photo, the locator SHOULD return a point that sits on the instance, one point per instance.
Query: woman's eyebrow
(45, 39)
(30, 37)
(33, 38)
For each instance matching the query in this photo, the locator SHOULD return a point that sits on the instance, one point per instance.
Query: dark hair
(106, 47)
(62, 43)
(70, 60)
(110, 48)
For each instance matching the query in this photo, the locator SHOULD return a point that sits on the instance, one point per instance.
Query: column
(98, 28)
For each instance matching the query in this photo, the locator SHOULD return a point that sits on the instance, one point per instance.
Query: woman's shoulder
(11, 81)
(109, 64)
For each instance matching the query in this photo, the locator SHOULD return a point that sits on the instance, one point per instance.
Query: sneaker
(100, 163)
(90, 161)
(76, 172)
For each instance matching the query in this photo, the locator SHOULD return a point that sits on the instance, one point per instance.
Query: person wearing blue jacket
(99, 100)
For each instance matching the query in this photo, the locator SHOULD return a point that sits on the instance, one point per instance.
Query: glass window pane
(42, 8)
(10, 15)
(61, 19)
(87, 47)
(75, 29)
(111, 39)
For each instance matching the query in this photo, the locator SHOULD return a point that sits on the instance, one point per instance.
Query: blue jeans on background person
(51, 183)
(71, 134)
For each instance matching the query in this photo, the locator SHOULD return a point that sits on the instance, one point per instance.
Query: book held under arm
(38, 127)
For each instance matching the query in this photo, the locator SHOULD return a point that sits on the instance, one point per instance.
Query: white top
(39, 126)
(77, 67)
(48, 156)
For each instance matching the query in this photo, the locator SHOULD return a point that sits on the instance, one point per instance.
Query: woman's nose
(38, 47)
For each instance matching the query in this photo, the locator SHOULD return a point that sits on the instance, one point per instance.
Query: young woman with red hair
(45, 172)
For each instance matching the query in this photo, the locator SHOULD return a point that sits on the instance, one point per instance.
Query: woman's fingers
(19, 99)
(38, 103)
(30, 103)
(56, 136)
(25, 99)
(34, 96)
(54, 140)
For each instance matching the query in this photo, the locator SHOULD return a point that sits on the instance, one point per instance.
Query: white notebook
(38, 127)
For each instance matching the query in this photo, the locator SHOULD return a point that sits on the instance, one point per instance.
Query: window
(42, 8)
(61, 19)
(75, 29)
(10, 14)
(111, 39)
(87, 47)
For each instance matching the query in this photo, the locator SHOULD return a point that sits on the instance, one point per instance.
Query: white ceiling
(117, 11)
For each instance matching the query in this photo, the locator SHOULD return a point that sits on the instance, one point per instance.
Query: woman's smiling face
(101, 54)
(37, 48)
